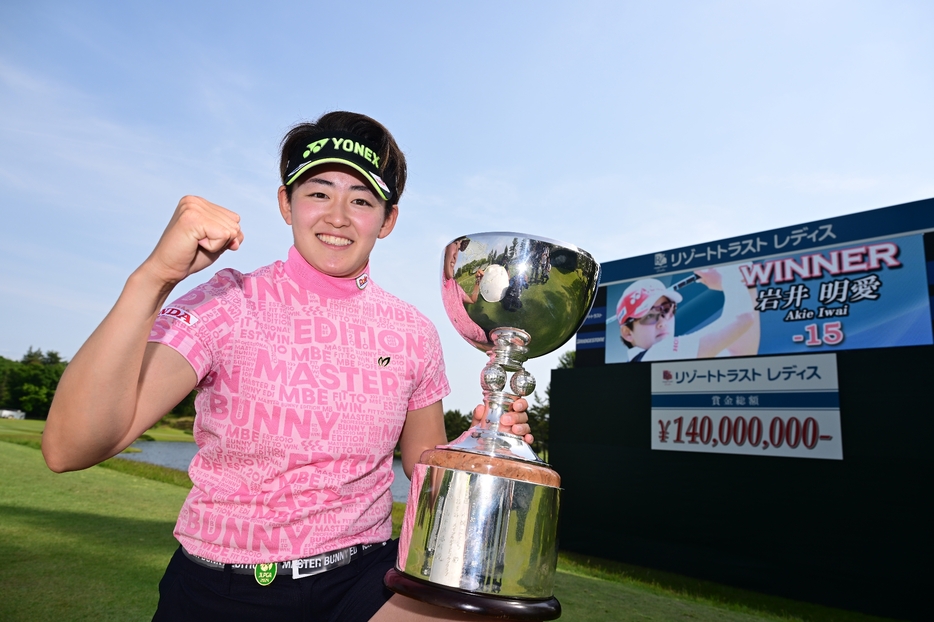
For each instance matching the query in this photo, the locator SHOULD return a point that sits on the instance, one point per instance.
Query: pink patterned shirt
(304, 385)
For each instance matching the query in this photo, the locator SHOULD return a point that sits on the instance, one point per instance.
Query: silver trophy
(480, 527)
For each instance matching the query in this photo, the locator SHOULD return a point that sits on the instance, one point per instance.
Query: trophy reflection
(480, 527)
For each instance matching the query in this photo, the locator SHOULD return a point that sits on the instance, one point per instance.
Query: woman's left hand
(513, 421)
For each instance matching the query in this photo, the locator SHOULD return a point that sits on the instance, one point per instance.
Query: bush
(29, 385)
(455, 424)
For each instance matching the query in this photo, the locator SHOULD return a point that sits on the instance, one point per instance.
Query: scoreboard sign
(853, 282)
(708, 369)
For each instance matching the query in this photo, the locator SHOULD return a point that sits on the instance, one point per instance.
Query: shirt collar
(325, 286)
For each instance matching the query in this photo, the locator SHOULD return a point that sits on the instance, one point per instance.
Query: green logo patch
(265, 573)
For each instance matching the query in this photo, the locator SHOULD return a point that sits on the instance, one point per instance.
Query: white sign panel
(778, 406)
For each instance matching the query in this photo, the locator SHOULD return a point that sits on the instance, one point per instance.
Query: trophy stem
(510, 348)
(510, 351)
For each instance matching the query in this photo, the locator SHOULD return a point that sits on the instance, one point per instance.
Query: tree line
(29, 384)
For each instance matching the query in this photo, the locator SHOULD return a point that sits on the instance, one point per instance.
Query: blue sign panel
(805, 289)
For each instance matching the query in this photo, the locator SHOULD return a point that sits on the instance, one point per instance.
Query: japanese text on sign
(783, 406)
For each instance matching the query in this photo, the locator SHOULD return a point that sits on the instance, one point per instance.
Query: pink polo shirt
(304, 384)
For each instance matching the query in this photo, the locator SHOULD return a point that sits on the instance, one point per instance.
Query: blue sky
(622, 127)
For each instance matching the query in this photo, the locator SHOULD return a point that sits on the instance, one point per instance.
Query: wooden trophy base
(492, 465)
(490, 606)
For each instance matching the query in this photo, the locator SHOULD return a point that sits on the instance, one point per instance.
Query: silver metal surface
(515, 297)
(489, 443)
(481, 533)
(549, 287)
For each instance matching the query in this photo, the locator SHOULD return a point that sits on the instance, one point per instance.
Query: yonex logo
(344, 144)
(353, 146)
(315, 147)
(382, 361)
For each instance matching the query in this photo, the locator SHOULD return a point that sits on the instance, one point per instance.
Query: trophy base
(479, 535)
(469, 602)
(495, 444)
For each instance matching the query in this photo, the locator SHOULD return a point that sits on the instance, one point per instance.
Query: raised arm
(118, 385)
(472, 296)
(737, 316)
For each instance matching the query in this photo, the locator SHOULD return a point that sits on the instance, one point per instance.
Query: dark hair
(392, 160)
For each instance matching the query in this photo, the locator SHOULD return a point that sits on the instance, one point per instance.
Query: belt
(298, 568)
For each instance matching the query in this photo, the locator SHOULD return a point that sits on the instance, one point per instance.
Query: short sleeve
(433, 383)
(200, 323)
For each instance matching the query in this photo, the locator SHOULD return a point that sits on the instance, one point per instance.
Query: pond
(178, 455)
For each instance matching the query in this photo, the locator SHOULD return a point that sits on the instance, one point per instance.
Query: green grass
(593, 600)
(25, 428)
(730, 603)
(90, 545)
(29, 434)
(98, 540)
(32, 429)
(149, 471)
(166, 433)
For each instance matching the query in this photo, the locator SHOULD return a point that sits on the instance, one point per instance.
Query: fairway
(594, 600)
(97, 541)
(93, 545)
(90, 545)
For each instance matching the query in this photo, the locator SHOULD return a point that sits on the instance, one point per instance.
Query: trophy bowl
(480, 526)
(543, 287)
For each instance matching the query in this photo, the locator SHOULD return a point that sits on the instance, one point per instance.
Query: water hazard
(178, 455)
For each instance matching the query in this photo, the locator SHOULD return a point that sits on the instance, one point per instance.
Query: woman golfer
(646, 316)
(308, 374)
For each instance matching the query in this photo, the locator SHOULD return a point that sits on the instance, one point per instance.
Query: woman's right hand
(198, 233)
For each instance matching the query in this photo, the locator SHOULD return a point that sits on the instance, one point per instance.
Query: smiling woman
(308, 375)
(336, 219)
